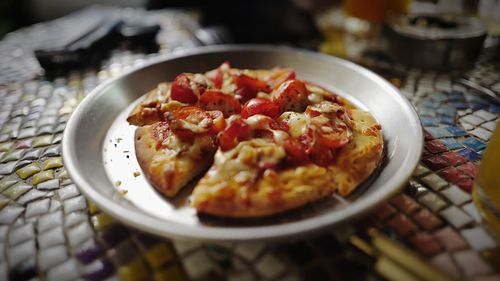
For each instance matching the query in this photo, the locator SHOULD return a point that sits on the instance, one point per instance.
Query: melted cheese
(297, 123)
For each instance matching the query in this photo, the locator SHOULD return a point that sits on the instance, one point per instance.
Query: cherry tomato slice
(217, 75)
(217, 100)
(234, 133)
(185, 89)
(247, 87)
(278, 76)
(291, 96)
(296, 154)
(260, 106)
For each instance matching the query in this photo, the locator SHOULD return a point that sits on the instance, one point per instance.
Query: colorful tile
(450, 239)
(474, 144)
(436, 162)
(28, 170)
(197, 265)
(470, 169)
(451, 143)
(420, 170)
(466, 185)
(427, 219)
(433, 201)
(68, 269)
(453, 175)
(49, 184)
(426, 244)
(98, 270)
(52, 162)
(37, 208)
(159, 255)
(17, 190)
(113, 234)
(429, 122)
(471, 263)
(88, 251)
(173, 273)
(74, 204)
(101, 221)
(470, 154)
(42, 176)
(439, 132)
(435, 146)
(404, 203)
(402, 225)
(489, 125)
(80, 233)
(444, 262)
(434, 181)
(472, 211)
(7, 168)
(456, 131)
(447, 119)
(42, 141)
(454, 158)
(384, 211)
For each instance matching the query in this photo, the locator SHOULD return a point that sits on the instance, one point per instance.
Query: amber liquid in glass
(486, 191)
(374, 10)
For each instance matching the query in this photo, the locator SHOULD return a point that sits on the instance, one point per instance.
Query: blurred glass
(486, 191)
(375, 10)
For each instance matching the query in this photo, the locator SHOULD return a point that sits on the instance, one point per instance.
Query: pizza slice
(173, 152)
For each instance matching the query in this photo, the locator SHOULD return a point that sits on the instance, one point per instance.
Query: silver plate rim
(293, 230)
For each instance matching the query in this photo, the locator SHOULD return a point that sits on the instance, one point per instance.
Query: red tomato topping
(278, 76)
(185, 89)
(217, 100)
(217, 75)
(247, 87)
(195, 115)
(234, 133)
(291, 96)
(260, 106)
(296, 154)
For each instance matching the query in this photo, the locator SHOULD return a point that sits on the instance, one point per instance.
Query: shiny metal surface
(97, 141)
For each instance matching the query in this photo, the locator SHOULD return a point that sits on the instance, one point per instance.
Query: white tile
(249, 251)
(37, 208)
(456, 216)
(269, 266)
(54, 236)
(79, 233)
(478, 238)
(52, 256)
(456, 195)
(64, 272)
(197, 264)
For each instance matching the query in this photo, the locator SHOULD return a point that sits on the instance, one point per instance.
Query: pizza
(257, 142)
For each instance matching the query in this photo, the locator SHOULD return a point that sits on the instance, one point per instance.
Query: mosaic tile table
(49, 231)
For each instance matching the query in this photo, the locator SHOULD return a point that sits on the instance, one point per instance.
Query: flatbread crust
(168, 162)
(224, 192)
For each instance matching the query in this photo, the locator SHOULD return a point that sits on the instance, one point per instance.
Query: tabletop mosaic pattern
(49, 231)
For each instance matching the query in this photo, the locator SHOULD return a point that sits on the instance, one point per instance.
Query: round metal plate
(99, 153)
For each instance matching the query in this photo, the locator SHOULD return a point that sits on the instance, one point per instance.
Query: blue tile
(439, 132)
(495, 108)
(456, 96)
(474, 143)
(476, 105)
(456, 131)
(439, 96)
(470, 154)
(429, 121)
(447, 120)
(425, 111)
(459, 105)
(451, 143)
(430, 103)
(447, 110)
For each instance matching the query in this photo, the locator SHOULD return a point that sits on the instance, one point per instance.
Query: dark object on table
(435, 41)
(90, 45)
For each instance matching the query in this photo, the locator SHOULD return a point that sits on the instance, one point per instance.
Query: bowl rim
(296, 229)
